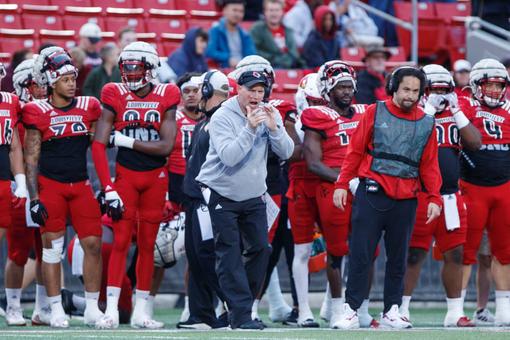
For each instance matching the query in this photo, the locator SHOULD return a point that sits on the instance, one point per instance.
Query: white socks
(455, 306)
(142, 297)
(150, 305)
(406, 299)
(502, 302)
(112, 300)
(13, 296)
(91, 299)
(56, 305)
(363, 309)
(300, 272)
(41, 299)
(255, 309)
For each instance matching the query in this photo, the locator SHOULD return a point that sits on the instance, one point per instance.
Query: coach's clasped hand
(38, 212)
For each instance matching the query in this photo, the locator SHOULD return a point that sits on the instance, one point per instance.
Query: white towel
(451, 212)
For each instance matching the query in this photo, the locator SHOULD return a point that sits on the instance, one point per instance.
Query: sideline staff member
(393, 150)
(235, 175)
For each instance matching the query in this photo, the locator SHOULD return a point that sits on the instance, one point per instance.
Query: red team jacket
(358, 161)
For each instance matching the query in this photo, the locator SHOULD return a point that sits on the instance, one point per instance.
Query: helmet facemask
(491, 97)
(135, 74)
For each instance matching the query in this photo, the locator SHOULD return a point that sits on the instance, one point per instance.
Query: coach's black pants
(373, 213)
(202, 283)
(240, 275)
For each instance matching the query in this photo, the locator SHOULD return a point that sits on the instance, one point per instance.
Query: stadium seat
(286, 78)
(31, 2)
(76, 3)
(166, 21)
(107, 37)
(453, 15)
(431, 30)
(152, 39)
(119, 18)
(113, 3)
(158, 4)
(397, 53)
(203, 19)
(351, 54)
(12, 40)
(9, 16)
(448, 11)
(41, 17)
(171, 42)
(199, 5)
(62, 38)
(75, 17)
(5, 57)
(246, 25)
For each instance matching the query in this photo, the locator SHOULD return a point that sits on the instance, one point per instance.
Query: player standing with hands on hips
(234, 176)
(393, 151)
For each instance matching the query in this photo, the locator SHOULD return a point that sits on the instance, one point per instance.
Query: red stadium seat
(246, 25)
(447, 11)
(119, 18)
(199, 5)
(107, 37)
(203, 19)
(431, 31)
(158, 4)
(286, 78)
(42, 17)
(397, 53)
(167, 21)
(62, 38)
(171, 42)
(454, 14)
(113, 3)
(10, 17)
(351, 54)
(31, 2)
(12, 40)
(76, 3)
(75, 17)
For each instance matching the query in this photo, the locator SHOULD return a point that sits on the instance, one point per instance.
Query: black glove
(101, 199)
(114, 205)
(38, 212)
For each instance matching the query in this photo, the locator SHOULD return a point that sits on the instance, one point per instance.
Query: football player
(449, 230)
(485, 175)
(143, 117)
(58, 132)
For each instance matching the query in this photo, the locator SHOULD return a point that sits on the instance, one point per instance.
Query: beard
(342, 104)
(191, 108)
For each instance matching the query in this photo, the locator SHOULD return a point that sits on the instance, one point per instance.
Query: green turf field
(427, 325)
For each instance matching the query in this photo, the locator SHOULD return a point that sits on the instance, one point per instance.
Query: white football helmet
(483, 72)
(169, 245)
(138, 63)
(307, 91)
(252, 63)
(438, 78)
(23, 79)
(331, 73)
(51, 65)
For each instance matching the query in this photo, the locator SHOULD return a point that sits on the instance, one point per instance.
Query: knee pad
(415, 256)
(336, 261)
(53, 255)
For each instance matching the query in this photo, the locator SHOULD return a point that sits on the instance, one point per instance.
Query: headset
(207, 88)
(393, 82)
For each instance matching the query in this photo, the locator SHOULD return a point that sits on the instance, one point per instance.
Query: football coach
(393, 152)
(234, 176)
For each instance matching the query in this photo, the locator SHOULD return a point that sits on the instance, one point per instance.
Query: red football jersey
(177, 158)
(286, 109)
(334, 129)
(9, 115)
(139, 118)
(447, 131)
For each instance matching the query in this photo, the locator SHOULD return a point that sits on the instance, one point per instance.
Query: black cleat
(292, 318)
(252, 324)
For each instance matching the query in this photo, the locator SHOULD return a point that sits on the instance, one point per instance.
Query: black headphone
(207, 88)
(393, 82)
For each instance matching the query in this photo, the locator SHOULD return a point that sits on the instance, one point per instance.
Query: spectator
(273, 40)
(371, 80)
(228, 42)
(190, 56)
(17, 58)
(108, 72)
(90, 36)
(358, 29)
(322, 44)
(300, 19)
(126, 36)
(78, 56)
(461, 69)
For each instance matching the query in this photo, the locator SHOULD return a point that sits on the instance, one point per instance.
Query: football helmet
(169, 245)
(484, 72)
(331, 73)
(24, 84)
(51, 64)
(307, 93)
(138, 63)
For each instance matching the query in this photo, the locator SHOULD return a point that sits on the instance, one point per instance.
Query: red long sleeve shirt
(358, 161)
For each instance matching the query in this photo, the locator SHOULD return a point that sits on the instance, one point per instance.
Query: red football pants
(143, 194)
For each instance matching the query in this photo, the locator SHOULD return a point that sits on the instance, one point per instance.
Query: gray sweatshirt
(235, 165)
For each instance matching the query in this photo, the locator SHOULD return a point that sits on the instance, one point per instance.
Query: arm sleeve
(357, 149)
(101, 165)
(429, 170)
(231, 148)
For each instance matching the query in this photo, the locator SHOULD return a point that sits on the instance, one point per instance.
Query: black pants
(282, 241)
(235, 225)
(202, 282)
(373, 213)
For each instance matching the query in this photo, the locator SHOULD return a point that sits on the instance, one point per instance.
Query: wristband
(123, 140)
(21, 181)
(461, 120)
